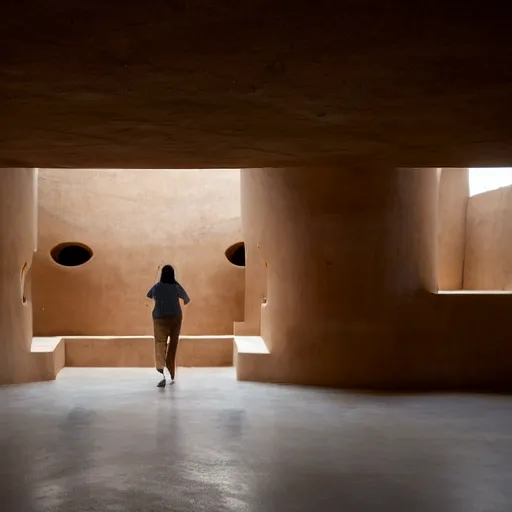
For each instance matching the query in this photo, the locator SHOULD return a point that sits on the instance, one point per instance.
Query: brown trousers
(165, 353)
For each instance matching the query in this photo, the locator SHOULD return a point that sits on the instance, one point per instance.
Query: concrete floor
(109, 440)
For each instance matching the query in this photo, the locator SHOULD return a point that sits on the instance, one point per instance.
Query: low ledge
(45, 344)
(49, 357)
(251, 357)
(474, 292)
(182, 337)
(251, 345)
(138, 351)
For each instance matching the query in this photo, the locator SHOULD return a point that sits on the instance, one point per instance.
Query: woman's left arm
(182, 294)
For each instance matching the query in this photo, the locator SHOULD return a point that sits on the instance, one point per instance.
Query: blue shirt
(167, 299)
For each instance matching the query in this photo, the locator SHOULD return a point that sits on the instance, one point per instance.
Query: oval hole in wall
(236, 254)
(71, 254)
(23, 277)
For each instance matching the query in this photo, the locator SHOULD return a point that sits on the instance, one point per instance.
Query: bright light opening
(483, 179)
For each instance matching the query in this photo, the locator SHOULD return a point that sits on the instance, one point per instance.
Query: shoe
(161, 384)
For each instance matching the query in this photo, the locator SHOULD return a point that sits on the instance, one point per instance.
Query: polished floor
(109, 440)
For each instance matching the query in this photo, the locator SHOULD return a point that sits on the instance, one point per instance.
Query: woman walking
(167, 318)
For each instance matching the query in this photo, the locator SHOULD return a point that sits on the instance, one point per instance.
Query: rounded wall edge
(17, 245)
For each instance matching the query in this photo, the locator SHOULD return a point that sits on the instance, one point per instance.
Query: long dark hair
(167, 275)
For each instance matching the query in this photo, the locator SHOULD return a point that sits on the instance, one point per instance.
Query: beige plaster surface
(256, 217)
(136, 221)
(453, 201)
(488, 259)
(352, 285)
(17, 237)
(348, 259)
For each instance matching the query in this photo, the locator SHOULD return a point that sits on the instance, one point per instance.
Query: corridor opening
(475, 223)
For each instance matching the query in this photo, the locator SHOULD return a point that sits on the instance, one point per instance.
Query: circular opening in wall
(236, 254)
(71, 254)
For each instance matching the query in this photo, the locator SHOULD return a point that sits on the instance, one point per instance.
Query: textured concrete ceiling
(189, 83)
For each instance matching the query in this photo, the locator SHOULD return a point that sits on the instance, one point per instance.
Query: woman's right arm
(151, 293)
